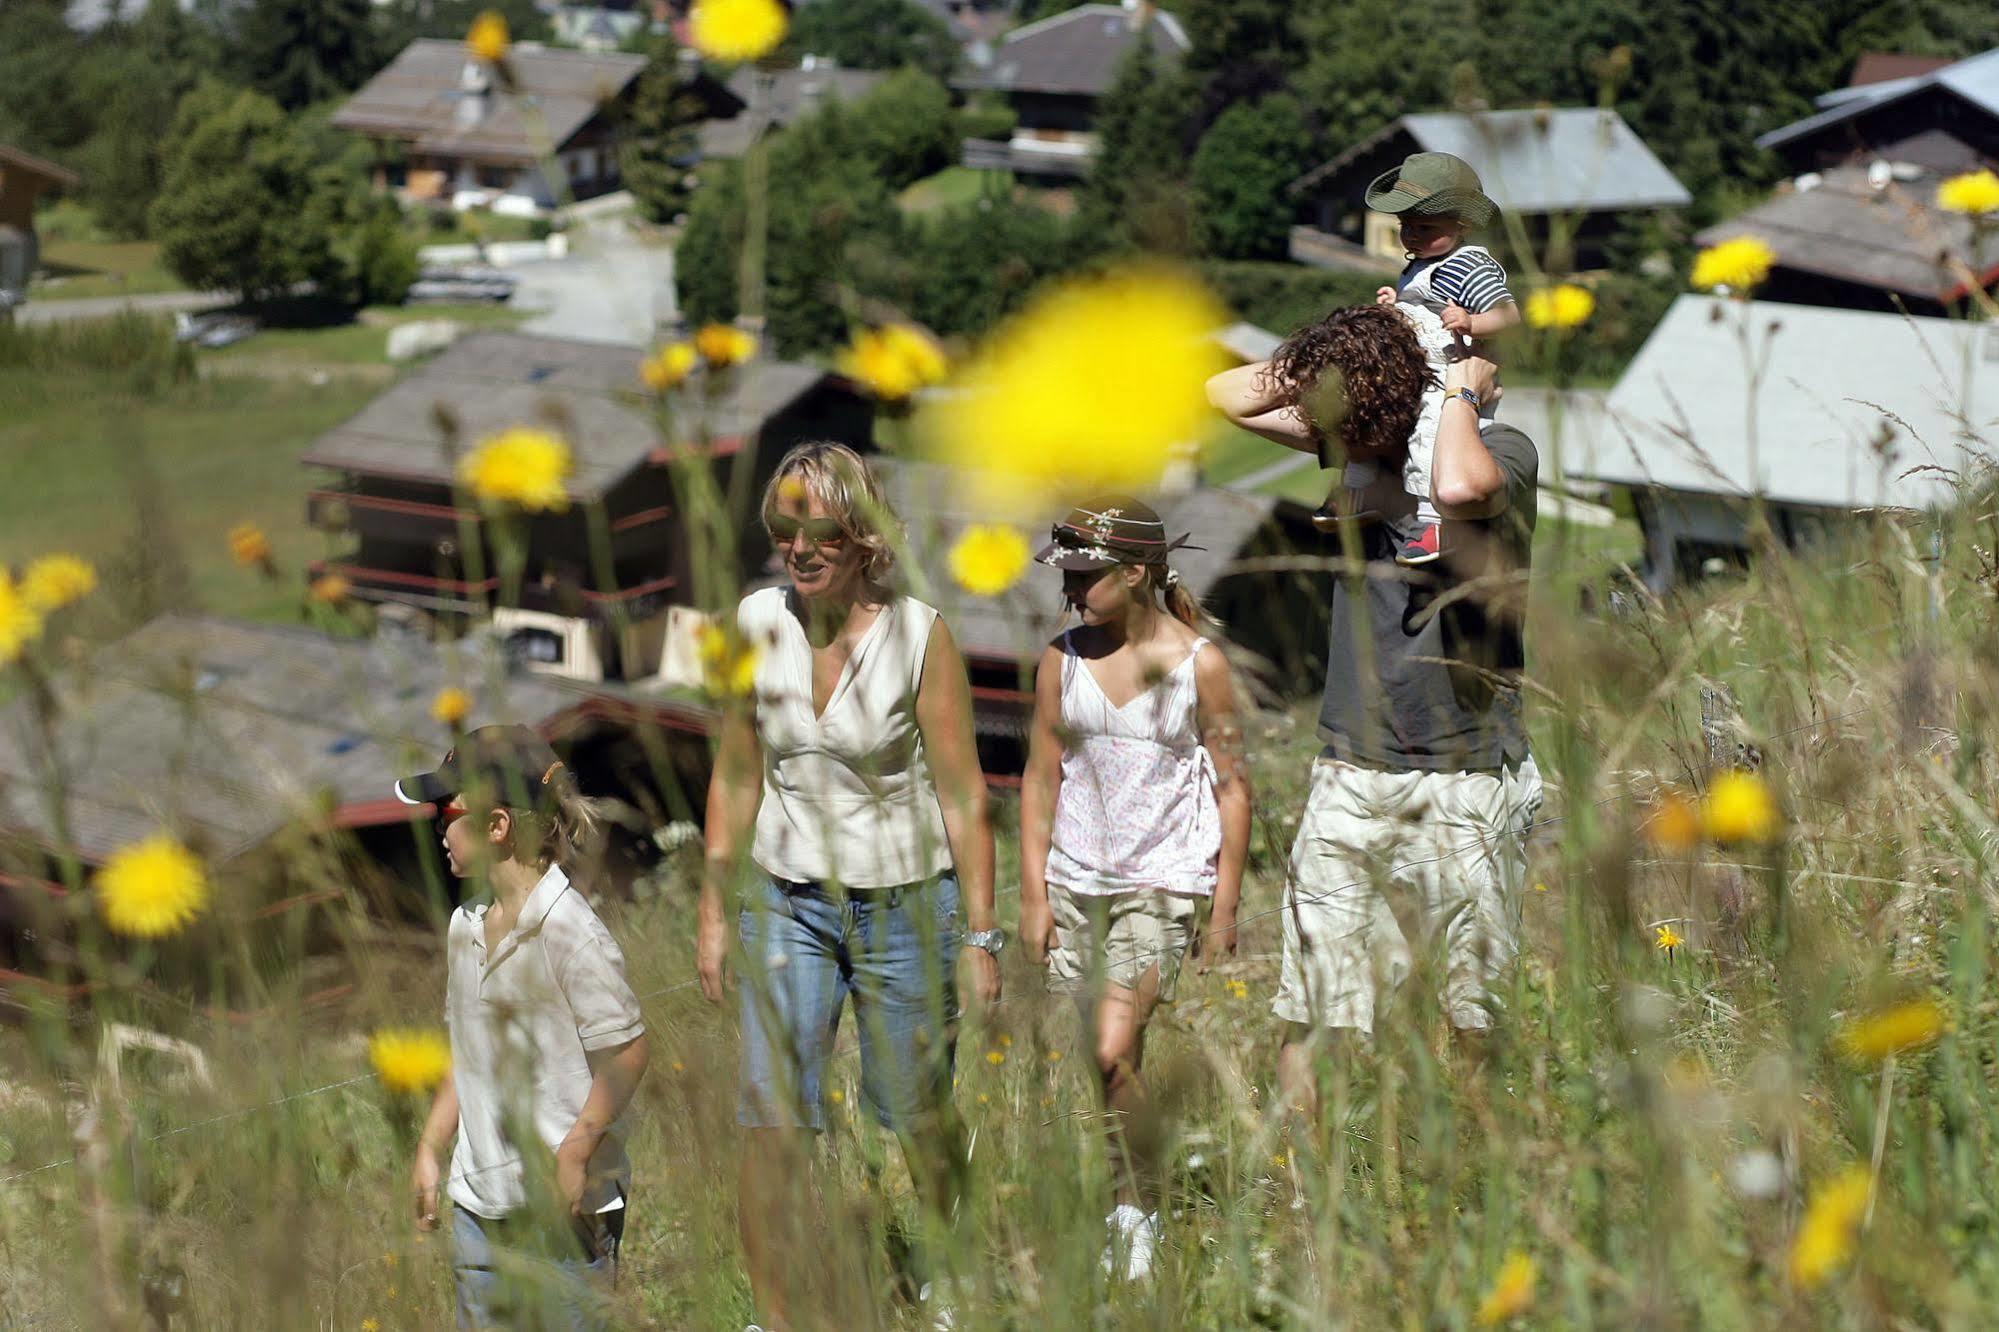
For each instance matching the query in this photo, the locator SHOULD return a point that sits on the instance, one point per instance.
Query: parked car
(214, 329)
(460, 283)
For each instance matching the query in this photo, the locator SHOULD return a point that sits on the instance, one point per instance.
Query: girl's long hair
(572, 831)
(1180, 603)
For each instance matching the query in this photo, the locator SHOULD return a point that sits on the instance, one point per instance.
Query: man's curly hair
(1374, 391)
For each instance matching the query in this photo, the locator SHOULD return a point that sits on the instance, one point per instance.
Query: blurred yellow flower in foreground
(724, 344)
(1892, 1030)
(409, 1059)
(1559, 307)
(668, 366)
(248, 545)
(330, 590)
(1089, 389)
(1512, 1292)
(151, 888)
(894, 361)
(995, 1057)
(1663, 937)
(54, 581)
(521, 466)
(1674, 824)
(451, 706)
(733, 30)
(1975, 193)
(20, 622)
(1824, 1240)
(987, 560)
(1739, 808)
(728, 666)
(488, 38)
(1738, 265)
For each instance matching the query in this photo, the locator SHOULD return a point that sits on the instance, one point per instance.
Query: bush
(1281, 297)
(384, 261)
(1239, 173)
(986, 117)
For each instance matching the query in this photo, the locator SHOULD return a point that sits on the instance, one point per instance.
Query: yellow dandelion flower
(995, 1057)
(1540, 887)
(1664, 938)
(836, 1096)
(20, 622)
(55, 581)
(1560, 307)
(724, 344)
(1824, 1241)
(370, 1325)
(1674, 825)
(1089, 389)
(487, 39)
(1279, 1160)
(1237, 989)
(987, 560)
(409, 1059)
(330, 590)
(1740, 808)
(1006, 1041)
(736, 30)
(451, 706)
(679, 1067)
(521, 466)
(152, 888)
(1512, 1292)
(669, 366)
(728, 665)
(1892, 1030)
(248, 545)
(985, 1099)
(1739, 265)
(1054, 1056)
(1975, 193)
(893, 362)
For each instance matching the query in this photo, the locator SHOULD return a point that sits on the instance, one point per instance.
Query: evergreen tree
(875, 34)
(1134, 194)
(298, 52)
(1239, 50)
(659, 141)
(1239, 175)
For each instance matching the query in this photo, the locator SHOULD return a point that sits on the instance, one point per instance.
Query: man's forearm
(1464, 480)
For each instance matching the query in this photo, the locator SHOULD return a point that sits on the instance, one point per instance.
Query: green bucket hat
(1432, 185)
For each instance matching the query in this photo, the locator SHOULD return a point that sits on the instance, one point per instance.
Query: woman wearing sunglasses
(848, 807)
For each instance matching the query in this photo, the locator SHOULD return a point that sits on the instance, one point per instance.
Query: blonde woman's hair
(852, 495)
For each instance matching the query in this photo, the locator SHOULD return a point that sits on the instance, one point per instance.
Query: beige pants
(1115, 938)
(1386, 862)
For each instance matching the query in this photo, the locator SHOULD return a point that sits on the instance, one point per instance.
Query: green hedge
(1281, 297)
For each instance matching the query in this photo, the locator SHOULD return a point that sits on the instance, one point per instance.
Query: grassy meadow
(1650, 1130)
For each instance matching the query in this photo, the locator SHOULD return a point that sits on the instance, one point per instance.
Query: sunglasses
(450, 810)
(818, 531)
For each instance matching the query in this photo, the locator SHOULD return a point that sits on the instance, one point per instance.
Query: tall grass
(1647, 1127)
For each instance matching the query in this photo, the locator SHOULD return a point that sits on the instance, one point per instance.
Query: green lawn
(81, 454)
(364, 341)
(78, 269)
(954, 185)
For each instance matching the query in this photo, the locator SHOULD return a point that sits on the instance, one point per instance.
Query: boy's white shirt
(522, 1022)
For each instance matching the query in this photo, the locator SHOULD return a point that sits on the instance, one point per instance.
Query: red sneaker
(1426, 547)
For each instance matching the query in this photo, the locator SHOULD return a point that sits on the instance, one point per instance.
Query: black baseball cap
(509, 764)
(1112, 529)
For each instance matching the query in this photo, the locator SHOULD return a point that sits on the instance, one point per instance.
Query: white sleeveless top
(1137, 809)
(847, 795)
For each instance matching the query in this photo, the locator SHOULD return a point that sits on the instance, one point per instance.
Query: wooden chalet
(602, 577)
(24, 178)
(1937, 117)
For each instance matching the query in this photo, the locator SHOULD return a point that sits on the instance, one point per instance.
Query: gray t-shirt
(1423, 671)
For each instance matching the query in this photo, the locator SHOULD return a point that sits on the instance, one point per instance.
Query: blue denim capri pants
(807, 950)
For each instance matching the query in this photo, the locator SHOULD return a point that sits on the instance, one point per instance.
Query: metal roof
(421, 98)
(589, 391)
(226, 732)
(1076, 52)
(1540, 160)
(1975, 79)
(1837, 384)
(931, 499)
(1895, 239)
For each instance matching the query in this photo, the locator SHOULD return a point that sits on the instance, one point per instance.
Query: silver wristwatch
(991, 940)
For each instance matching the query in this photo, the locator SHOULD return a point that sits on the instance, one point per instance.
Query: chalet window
(541, 647)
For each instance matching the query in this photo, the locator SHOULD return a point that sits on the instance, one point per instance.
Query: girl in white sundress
(1134, 807)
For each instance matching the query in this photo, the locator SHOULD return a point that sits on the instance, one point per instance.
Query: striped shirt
(1468, 276)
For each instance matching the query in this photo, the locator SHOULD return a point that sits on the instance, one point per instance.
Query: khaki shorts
(1116, 937)
(1390, 861)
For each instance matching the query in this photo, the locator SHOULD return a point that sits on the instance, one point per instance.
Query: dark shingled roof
(1018, 624)
(1974, 80)
(1883, 66)
(419, 97)
(588, 391)
(1075, 52)
(1895, 239)
(786, 95)
(13, 159)
(224, 732)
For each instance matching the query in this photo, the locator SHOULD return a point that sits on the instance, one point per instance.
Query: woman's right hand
(1037, 927)
(425, 1176)
(711, 954)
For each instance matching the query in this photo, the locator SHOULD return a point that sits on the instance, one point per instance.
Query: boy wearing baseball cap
(547, 1043)
(1452, 291)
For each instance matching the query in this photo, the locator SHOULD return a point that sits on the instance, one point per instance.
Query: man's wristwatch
(1468, 396)
(991, 940)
